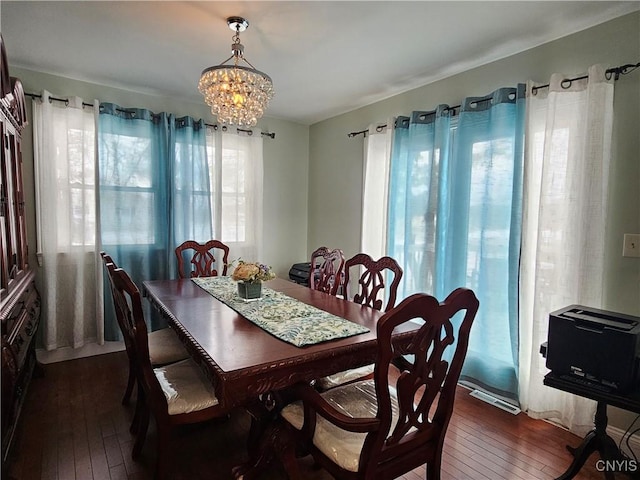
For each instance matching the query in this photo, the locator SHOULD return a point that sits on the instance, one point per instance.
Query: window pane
(188, 173)
(233, 166)
(233, 218)
(126, 161)
(83, 216)
(490, 207)
(80, 144)
(230, 180)
(130, 219)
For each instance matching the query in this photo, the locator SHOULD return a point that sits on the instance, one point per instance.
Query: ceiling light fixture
(237, 95)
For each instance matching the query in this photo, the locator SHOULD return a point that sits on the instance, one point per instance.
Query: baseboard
(634, 442)
(67, 353)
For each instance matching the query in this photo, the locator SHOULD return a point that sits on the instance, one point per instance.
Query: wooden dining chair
(164, 346)
(375, 279)
(202, 258)
(327, 268)
(389, 425)
(176, 394)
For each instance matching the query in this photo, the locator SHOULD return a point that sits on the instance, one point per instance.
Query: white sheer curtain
(65, 176)
(236, 174)
(377, 155)
(565, 201)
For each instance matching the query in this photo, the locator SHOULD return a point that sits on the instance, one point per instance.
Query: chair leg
(143, 425)
(433, 468)
(164, 461)
(140, 399)
(130, 383)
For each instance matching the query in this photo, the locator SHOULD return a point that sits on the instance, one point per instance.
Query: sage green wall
(335, 166)
(286, 163)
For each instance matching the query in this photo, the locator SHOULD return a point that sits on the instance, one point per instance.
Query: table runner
(282, 316)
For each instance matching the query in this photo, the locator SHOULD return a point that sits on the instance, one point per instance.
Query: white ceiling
(325, 58)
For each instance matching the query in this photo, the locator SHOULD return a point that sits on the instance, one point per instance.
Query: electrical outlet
(631, 245)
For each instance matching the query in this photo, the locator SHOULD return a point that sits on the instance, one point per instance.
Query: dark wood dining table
(242, 360)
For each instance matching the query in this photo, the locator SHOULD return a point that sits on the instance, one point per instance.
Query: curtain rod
(224, 128)
(611, 72)
(65, 100)
(379, 128)
(214, 126)
(614, 72)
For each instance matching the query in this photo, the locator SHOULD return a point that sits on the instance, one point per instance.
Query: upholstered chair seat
(185, 387)
(340, 378)
(165, 347)
(356, 400)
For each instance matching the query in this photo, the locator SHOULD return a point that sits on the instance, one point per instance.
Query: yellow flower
(252, 272)
(245, 272)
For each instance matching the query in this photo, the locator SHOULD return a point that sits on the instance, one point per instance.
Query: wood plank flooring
(73, 427)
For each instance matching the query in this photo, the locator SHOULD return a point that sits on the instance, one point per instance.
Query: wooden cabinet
(19, 299)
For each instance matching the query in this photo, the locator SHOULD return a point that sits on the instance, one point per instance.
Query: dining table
(248, 365)
(242, 360)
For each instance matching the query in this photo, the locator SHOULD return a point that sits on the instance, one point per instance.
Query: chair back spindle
(327, 270)
(205, 259)
(372, 280)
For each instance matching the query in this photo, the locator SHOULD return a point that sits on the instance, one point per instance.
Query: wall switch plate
(631, 245)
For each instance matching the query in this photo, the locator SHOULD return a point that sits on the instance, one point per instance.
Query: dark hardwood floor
(73, 426)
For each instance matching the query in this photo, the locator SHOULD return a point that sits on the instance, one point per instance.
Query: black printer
(595, 345)
(300, 272)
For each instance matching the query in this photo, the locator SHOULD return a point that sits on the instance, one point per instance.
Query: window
(67, 178)
(455, 210)
(80, 185)
(235, 173)
(227, 176)
(128, 190)
(65, 175)
(377, 153)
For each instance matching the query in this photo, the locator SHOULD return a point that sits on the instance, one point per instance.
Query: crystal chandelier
(237, 95)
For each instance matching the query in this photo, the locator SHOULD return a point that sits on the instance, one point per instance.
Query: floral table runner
(282, 316)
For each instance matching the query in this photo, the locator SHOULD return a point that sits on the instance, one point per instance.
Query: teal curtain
(154, 192)
(419, 160)
(462, 208)
(191, 185)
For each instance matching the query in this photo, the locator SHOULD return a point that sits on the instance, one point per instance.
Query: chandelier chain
(236, 37)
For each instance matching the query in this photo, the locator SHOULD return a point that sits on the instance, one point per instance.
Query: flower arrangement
(252, 272)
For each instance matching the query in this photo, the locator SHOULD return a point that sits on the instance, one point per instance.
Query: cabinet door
(6, 253)
(19, 205)
(13, 224)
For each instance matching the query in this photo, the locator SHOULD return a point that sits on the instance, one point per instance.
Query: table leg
(580, 455)
(596, 440)
(263, 412)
